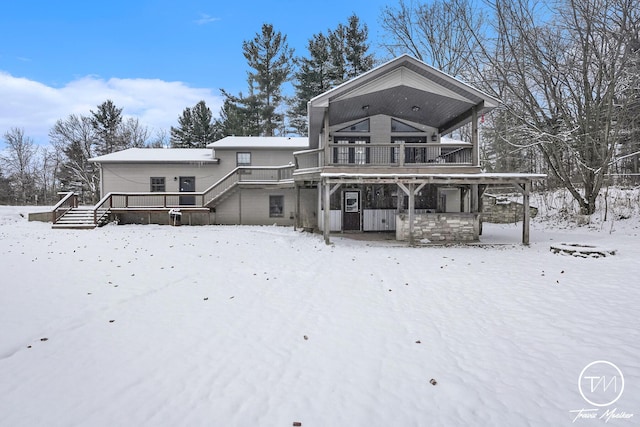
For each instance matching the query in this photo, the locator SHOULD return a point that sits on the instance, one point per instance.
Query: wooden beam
(474, 198)
(525, 214)
(403, 188)
(412, 213)
(420, 187)
(326, 227)
(296, 219)
(475, 150)
(334, 188)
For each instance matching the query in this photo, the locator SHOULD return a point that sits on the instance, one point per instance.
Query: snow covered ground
(263, 326)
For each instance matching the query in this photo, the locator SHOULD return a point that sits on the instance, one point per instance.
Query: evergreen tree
(196, 128)
(271, 59)
(348, 49)
(106, 122)
(312, 78)
(237, 116)
(333, 59)
(357, 59)
(182, 136)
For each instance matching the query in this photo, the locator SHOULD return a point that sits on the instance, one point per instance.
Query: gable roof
(260, 142)
(158, 155)
(403, 87)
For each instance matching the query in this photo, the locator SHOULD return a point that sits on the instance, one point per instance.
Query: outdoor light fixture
(175, 178)
(434, 137)
(415, 108)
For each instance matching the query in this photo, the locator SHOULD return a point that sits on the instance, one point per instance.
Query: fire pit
(581, 250)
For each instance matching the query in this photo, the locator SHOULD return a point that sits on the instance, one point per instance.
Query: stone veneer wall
(440, 227)
(501, 210)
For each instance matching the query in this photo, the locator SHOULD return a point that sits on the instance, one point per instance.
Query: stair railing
(105, 204)
(66, 203)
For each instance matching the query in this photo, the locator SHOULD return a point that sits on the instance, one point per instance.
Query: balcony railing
(392, 154)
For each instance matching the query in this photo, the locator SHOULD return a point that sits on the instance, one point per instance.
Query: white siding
(335, 220)
(259, 157)
(379, 219)
(251, 207)
(137, 177)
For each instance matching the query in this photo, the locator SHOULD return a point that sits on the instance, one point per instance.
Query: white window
(243, 159)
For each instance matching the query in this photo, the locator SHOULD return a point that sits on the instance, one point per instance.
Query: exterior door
(187, 185)
(351, 211)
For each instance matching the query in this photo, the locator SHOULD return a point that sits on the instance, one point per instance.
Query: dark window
(157, 184)
(243, 159)
(398, 126)
(276, 206)
(362, 126)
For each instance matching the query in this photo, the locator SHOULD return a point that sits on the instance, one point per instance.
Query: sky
(151, 58)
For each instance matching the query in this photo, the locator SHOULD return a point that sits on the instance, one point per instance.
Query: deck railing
(391, 154)
(309, 159)
(168, 200)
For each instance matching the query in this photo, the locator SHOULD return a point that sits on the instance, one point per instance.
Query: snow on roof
(254, 142)
(165, 155)
(447, 140)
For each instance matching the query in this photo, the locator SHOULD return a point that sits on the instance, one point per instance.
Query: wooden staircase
(82, 219)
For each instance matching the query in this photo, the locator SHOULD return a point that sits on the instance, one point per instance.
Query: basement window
(158, 184)
(276, 206)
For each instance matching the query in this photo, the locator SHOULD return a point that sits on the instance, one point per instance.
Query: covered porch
(436, 208)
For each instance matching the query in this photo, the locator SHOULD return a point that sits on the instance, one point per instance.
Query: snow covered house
(375, 160)
(236, 180)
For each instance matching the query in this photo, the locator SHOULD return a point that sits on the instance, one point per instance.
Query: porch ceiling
(433, 109)
(404, 88)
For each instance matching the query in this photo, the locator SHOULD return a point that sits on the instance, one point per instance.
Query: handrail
(99, 205)
(70, 201)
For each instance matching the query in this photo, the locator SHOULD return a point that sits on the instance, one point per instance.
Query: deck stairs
(82, 218)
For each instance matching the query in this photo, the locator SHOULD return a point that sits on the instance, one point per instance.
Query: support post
(412, 213)
(296, 214)
(326, 226)
(474, 198)
(525, 213)
(475, 149)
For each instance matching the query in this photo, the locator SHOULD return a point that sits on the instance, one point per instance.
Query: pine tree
(357, 59)
(106, 122)
(311, 79)
(196, 128)
(333, 59)
(271, 59)
(348, 50)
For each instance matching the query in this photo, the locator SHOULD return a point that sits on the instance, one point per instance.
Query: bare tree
(74, 137)
(133, 133)
(435, 33)
(18, 161)
(47, 177)
(565, 79)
